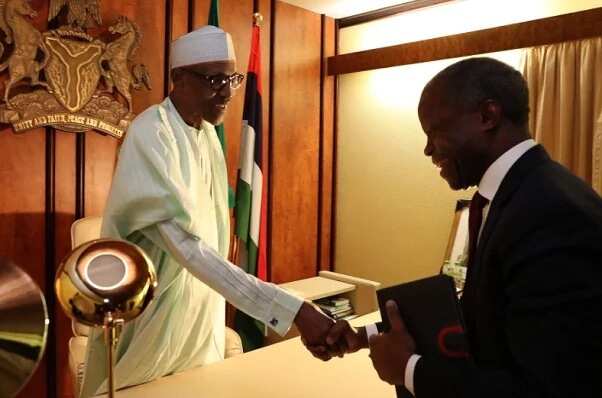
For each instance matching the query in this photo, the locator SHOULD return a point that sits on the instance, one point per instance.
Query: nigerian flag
(221, 134)
(251, 198)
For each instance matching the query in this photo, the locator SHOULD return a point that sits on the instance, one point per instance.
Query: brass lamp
(106, 282)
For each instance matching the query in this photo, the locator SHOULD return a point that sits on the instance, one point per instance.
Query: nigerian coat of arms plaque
(65, 77)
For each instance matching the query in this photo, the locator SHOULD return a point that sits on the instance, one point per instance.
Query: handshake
(324, 338)
(389, 351)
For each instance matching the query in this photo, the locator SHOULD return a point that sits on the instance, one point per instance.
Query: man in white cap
(169, 196)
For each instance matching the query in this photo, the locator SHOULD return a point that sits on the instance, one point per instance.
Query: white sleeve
(261, 300)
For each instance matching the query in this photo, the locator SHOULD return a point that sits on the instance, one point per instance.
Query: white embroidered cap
(206, 44)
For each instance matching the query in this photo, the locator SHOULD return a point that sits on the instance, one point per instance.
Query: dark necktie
(469, 296)
(475, 218)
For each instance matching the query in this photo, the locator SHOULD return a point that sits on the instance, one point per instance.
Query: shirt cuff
(409, 374)
(371, 330)
(283, 311)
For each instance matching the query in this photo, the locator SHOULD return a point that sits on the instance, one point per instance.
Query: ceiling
(343, 8)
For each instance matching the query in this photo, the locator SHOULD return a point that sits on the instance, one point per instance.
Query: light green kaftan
(167, 170)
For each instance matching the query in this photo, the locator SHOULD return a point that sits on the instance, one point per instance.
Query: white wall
(394, 212)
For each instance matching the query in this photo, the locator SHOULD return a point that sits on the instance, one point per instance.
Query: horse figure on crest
(117, 55)
(27, 40)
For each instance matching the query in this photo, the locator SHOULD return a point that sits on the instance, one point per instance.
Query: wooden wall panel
(22, 223)
(200, 12)
(64, 216)
(178, 26)
(100, 161)
(295, 143)
(327, 149)
(179, 18)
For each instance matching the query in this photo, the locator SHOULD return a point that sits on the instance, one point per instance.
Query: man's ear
(491, 114)
(176, 74)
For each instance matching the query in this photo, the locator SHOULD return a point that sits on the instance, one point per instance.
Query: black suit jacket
(533, 297)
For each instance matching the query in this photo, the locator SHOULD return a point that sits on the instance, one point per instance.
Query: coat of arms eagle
(81, 14)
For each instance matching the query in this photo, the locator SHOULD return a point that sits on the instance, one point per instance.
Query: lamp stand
(112, 329)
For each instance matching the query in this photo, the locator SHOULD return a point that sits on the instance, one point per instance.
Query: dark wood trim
(386, 12)
(335, 151)
(167, 47)
(327, 120)
(49, 232)
(321, 142)
(191, 14)
(80, 176)
(255, 6)
(270, 140)
(561, 28)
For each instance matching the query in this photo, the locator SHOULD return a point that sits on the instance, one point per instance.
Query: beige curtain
(565, 86)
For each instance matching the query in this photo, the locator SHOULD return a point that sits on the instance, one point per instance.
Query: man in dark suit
(533, 295)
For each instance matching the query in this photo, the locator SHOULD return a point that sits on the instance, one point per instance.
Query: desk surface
(284, 369)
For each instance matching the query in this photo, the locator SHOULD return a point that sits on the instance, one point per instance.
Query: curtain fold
(565, 86)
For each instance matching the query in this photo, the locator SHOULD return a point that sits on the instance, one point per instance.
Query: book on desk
(336, 307)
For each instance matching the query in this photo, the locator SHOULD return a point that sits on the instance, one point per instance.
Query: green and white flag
(221, 133)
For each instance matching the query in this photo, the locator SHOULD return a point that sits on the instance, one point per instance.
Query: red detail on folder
(450, 331)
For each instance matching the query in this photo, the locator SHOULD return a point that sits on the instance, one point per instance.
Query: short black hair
(469, 82)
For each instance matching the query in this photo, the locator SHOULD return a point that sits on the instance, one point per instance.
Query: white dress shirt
(493, 177)
(488, 187)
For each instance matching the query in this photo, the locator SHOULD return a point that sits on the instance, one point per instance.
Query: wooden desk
(284, 369)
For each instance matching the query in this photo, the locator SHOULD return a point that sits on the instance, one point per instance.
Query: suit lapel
(511, 182)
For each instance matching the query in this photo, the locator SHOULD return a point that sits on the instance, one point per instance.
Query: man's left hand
(390, 351)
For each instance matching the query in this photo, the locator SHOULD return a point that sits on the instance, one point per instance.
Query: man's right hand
(313, 327)
(341, 339)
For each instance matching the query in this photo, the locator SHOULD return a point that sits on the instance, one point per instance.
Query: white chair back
(82, 231)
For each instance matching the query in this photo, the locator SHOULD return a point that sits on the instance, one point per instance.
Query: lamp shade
(105, 276)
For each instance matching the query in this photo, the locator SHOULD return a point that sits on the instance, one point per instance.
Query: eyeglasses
(219, 81)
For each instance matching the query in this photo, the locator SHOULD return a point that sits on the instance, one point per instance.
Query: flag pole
(233, 256)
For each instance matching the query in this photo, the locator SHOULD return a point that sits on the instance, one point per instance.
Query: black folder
(431, 312)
